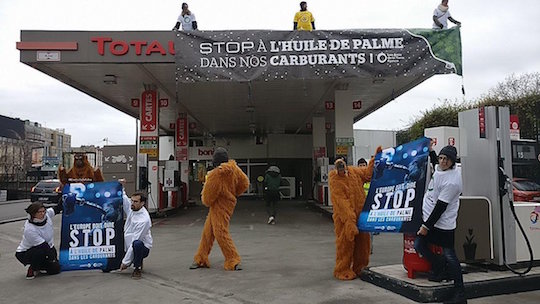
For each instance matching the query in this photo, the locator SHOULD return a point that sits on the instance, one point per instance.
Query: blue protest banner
(394, 200)
(92, 226)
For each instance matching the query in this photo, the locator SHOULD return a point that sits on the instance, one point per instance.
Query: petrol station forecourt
(263, 97)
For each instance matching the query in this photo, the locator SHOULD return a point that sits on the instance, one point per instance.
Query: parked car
(525, 190)
(47, 191)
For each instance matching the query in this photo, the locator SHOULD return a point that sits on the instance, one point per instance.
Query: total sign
(149, 113)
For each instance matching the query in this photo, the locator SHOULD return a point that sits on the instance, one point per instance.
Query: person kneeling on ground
(137, 235)
(37, 245)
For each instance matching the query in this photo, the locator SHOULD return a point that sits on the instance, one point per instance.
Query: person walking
(303, 20)
(272, 181)
(220, 191)
(440, 210)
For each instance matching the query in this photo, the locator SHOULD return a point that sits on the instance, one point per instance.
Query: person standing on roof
(186, 19)
(303, 20)
(441, 15)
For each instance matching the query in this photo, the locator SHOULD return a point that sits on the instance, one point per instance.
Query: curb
(15, 201)
(478, 289)
(13, 220)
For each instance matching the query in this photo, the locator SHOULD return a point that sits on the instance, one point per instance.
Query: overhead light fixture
(378, 80)
(109, 79)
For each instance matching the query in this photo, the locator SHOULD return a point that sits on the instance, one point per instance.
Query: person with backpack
(272, 181)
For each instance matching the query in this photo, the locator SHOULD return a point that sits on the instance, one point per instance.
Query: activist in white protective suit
(440, 210)
(37, 245)
(137, 235)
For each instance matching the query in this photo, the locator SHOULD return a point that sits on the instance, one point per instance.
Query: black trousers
(40, 257)
(271, 197)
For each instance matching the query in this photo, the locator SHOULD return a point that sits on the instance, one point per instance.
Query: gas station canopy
(244, 82)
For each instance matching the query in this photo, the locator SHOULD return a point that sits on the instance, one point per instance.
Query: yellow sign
(342, 150)
(149, 145)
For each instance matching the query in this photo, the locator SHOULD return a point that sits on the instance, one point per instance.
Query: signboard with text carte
(394, 200)
(182, 137)
(149, 113)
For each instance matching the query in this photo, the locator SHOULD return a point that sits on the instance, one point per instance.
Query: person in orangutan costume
(223, 185)
(348, 198)
(81, 172)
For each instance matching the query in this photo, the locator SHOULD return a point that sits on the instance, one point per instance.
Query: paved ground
(290, 262)
(13, 210)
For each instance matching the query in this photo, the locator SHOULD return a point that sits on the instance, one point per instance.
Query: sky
(499, 38)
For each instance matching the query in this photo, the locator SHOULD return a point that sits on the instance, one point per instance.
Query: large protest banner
(394, 200)
(258, 55)
(92, 226)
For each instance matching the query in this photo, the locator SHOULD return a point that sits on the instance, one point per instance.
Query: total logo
(534, 217)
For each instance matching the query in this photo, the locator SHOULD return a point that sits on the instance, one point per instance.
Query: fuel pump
(486, 171)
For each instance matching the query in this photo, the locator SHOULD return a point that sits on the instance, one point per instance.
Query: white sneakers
(271, 220)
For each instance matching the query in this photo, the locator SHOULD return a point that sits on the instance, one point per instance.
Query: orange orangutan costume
(223, 184)
(81, 172)
(348, 198)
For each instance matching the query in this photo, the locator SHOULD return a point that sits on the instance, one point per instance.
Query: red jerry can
(412, 262)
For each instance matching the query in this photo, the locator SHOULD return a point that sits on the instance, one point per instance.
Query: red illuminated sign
(140, 47)
(148, 112)
(357, 105)
(329, 105)
(135, 102)
(163, 102)
(181, 130)
(482, 122)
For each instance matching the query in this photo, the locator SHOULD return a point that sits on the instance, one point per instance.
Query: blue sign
(394, 200)
(92, 234)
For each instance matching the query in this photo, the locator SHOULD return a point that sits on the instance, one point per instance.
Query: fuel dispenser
(142, 174)
(488, 229)
(171, 183)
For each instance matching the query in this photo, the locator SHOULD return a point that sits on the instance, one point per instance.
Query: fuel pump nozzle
(504, 182)
(505, 187)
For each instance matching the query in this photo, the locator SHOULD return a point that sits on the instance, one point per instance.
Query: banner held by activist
(394, 200)
(92, 226)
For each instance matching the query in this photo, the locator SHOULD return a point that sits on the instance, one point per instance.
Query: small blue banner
(394, 200)
(92, 226)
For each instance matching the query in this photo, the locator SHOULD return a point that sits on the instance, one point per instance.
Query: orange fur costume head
(81, 172)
